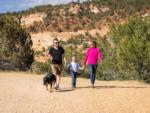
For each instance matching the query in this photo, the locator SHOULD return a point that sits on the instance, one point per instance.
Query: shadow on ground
(99, 87)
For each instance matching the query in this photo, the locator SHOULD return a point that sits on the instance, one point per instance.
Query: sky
(19, 5)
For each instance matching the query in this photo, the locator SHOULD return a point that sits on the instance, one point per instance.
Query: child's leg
(74, 76)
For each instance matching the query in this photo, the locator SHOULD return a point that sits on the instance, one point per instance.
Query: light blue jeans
(92, 72)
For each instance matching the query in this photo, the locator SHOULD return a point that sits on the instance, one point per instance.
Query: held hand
(83, 67)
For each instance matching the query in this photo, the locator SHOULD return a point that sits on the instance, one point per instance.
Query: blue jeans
(74, 77)
(92, 72)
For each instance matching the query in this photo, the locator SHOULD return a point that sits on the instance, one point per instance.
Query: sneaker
(93, 86)
(73, 87)
(57, 87)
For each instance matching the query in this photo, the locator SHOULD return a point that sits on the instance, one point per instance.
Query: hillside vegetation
(88, 15)
(85, 16)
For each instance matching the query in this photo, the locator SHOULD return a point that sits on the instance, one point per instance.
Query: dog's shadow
(65, 90)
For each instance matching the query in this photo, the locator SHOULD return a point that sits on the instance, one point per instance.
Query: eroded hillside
(67, 21)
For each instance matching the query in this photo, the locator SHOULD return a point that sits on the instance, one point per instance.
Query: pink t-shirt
(92, 56)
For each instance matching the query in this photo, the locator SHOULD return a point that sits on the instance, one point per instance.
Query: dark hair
(94, 42)
(55, 39)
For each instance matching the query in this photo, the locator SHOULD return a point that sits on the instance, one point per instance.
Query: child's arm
(68, 66)
(80, 67)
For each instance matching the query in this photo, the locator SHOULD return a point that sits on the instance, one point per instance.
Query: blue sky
(18, 5)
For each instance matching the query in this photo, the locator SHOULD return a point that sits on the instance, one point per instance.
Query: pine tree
(15, 45)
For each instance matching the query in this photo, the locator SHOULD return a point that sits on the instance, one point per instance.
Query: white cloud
(25, 4)
(32, 3)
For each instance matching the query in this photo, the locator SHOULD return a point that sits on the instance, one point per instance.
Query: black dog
(49, 79)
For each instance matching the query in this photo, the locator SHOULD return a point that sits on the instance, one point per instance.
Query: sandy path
(24, 93)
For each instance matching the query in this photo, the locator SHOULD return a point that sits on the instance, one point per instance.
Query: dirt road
(24, 93)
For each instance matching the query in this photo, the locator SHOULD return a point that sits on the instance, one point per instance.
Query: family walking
(58, 62)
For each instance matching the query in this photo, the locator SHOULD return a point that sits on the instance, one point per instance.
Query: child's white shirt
(75, 66)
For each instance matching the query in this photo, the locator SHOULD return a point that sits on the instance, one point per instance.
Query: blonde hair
(75, 58)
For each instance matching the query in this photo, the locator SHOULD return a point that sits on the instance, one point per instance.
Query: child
(73, 68)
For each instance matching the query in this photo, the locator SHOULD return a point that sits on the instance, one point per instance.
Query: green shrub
(41, 67)
(15, 45)
(133, 49)
(107, 69)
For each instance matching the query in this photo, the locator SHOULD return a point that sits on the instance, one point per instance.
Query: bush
(40, 67)
(107, 69)
(126, 51)
(133, 49)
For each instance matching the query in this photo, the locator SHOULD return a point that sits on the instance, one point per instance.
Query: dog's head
(49, 78)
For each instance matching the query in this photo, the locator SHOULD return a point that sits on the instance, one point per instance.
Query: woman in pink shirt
(91, 58)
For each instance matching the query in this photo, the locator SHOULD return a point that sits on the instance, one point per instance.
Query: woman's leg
(92, 73)
(90, 69)
(54, 71)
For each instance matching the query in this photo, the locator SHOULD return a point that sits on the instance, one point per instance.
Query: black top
(56, 55)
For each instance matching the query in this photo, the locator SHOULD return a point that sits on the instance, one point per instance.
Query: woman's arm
(100, 56)
(64, 60)
(86, 57)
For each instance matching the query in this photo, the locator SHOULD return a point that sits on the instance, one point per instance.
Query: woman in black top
(57, 60)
